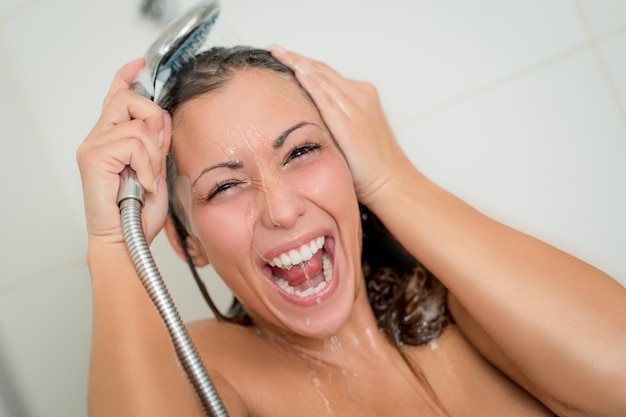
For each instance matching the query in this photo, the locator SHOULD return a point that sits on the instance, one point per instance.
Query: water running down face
(271, 202)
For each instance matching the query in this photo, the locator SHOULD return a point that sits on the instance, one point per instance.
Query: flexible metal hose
(176, 45)
(130, 209)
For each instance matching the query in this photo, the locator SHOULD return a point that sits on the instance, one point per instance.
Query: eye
(223, 187)
(301, 150)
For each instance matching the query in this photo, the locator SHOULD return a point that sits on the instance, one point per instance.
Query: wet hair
(408, 301)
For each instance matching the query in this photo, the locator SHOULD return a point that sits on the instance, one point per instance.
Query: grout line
(601, 61)
(491, 86)
(611, 34)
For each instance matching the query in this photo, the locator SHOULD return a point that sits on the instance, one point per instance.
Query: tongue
(299, 273)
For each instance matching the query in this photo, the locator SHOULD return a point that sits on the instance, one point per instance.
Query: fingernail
(160, 138)
(277, 49)
(157, 179)
(299, 69)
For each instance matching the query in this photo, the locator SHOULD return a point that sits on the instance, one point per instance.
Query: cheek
(227, 229)
(328, 183)
(225, 232)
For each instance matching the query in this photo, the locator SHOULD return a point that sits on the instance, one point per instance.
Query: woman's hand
(354, 115)
(131, 130)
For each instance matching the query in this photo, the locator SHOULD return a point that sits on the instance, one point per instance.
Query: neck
(356, 342)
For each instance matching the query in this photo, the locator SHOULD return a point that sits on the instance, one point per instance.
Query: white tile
(544, 154)
(614, 53)
(604, 16)
(63, 83)
(44, 340)
(422, 52)
(45, 333)
(419, 53)
(37, 223)
(9, 7)
(12, 403)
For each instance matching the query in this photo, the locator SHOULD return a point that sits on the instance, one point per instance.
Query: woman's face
(271, 202)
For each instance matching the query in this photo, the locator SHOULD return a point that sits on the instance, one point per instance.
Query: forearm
(560, 320)
(133, 368)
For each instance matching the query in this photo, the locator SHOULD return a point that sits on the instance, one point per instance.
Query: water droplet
(318, 300)
(306, 275)
(307, 322)
(318, 386)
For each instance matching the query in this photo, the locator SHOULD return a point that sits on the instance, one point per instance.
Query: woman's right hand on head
(132, 130)
(353, 113)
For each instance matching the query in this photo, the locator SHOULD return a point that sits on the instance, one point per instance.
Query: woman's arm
(134, 370)
(551, 322)
(133, 366)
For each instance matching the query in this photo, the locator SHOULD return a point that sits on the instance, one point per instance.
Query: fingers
(121, 104)
(124, 105)
(124, 77)
(167, 134)
(329, 89)
(132, 144)
(131, 130)
(126, 144)
(301, 64)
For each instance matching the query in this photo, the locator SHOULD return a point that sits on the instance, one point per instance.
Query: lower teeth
(327, 269)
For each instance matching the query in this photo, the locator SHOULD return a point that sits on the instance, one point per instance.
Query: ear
(193, 246)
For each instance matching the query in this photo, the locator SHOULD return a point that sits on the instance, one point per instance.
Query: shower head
(178, 43)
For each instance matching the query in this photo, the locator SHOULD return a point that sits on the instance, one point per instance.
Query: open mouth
(303, 272)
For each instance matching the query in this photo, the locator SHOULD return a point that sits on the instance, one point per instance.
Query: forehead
(254, 100)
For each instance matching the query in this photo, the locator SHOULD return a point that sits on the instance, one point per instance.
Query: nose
(282, 206)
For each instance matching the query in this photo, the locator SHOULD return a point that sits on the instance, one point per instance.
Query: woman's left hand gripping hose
(133, 131)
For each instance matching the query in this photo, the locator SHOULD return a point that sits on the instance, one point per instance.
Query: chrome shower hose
(151, 279)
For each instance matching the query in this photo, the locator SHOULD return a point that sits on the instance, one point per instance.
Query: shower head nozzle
(178, 43)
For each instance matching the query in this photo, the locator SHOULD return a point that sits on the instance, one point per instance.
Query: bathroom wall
(519, 107)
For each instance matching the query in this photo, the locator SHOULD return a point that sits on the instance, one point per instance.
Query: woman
(266, 171)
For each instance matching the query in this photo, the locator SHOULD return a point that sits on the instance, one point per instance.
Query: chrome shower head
(178, 43)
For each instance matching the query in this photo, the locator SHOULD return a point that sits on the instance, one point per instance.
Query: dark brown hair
(408, 301)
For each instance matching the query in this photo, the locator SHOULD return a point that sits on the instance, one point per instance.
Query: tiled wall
(517, 106)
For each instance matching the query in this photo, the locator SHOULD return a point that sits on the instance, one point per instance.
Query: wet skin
(264, 177)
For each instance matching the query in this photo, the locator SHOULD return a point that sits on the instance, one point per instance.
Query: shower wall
(519, 107)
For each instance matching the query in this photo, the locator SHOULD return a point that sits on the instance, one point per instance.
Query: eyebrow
(281, 139)
(227, 164)
(236, 164)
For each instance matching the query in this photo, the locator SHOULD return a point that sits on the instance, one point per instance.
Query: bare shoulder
(223, 347)
(256, 368)
(235, 351)
(205, 328)
(222, 342)
(451, 361)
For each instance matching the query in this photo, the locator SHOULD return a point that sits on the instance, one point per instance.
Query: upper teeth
(297, 256)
